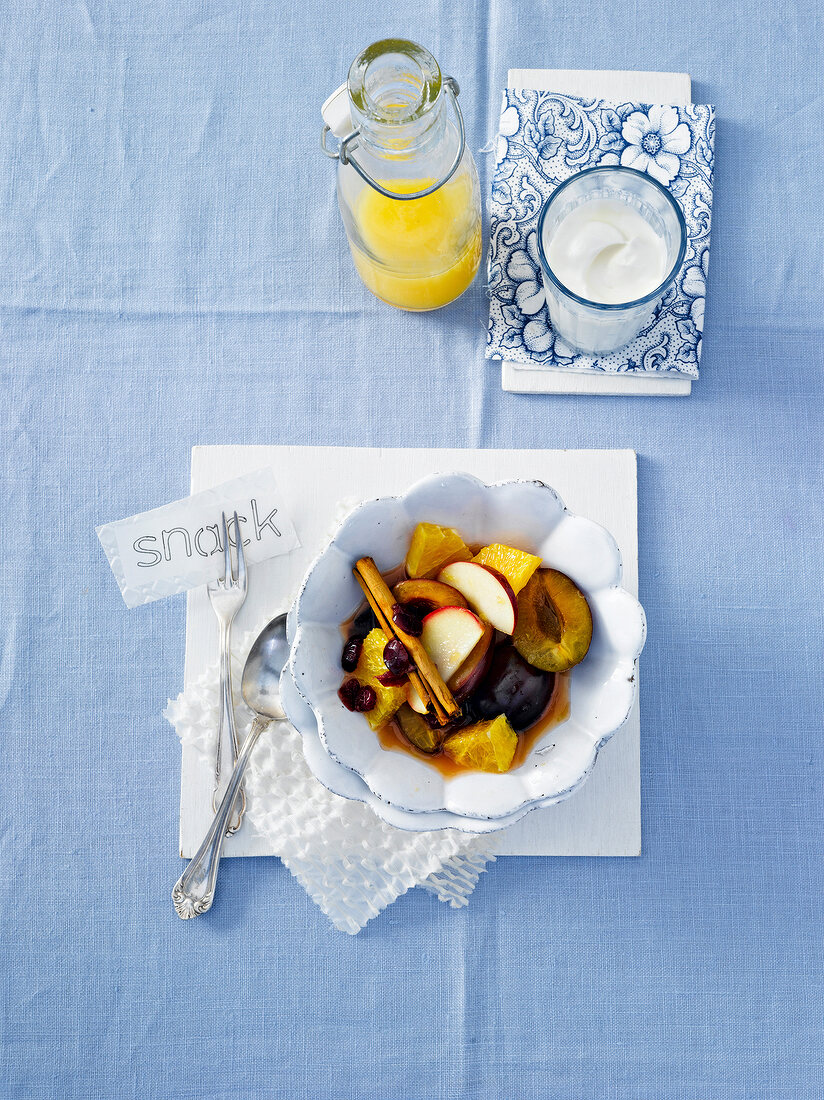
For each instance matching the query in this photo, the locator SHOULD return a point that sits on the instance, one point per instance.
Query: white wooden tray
(604, 817)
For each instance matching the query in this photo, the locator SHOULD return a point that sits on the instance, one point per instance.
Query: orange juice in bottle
(407, 185)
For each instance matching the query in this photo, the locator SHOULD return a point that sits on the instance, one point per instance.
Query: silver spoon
(194, 891)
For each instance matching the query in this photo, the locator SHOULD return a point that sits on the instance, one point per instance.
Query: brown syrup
(392, 739)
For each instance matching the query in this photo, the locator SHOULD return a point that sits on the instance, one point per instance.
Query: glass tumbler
(597, 328)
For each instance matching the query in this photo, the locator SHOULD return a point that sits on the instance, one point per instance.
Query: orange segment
(516, 565)
(432, 547)
(370, 666)
(486, 746)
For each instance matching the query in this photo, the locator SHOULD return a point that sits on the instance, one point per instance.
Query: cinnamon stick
(382, 603)
(389, 629)
(427, 681)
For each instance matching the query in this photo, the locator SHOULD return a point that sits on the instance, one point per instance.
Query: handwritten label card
(180, 545)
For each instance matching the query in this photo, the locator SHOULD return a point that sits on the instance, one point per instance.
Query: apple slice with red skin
(474, 668)
(434, 592)
(449, 636)
(414, 700)
(487, 592)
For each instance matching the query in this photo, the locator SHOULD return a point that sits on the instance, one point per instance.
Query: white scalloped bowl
(526, 514)
(343, 782)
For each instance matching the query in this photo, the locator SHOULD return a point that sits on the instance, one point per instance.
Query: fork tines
(230, 576)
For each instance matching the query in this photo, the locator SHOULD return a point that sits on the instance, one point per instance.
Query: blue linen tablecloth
(173, 272)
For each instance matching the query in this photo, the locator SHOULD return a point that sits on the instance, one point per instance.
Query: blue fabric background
(173, 271)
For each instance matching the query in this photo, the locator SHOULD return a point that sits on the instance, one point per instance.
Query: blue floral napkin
(545, 137)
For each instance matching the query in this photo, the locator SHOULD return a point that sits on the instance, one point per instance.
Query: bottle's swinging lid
(336, 114)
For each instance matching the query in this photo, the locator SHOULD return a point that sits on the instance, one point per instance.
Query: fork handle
(194, 891)
(227, 721)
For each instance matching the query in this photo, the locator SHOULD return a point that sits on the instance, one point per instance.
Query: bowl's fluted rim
(531, 803)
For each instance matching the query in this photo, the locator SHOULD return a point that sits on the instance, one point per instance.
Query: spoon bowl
(194, 891)
(267, 658)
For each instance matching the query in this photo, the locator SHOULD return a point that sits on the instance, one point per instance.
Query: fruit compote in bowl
(498, 656)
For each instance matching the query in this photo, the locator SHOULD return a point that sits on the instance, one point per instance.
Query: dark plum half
(514, 688)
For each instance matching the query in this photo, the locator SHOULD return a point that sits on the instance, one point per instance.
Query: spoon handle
(194, 891)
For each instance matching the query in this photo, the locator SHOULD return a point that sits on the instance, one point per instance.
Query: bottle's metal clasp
(338, 123)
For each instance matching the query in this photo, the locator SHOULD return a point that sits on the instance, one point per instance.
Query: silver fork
(226, 597)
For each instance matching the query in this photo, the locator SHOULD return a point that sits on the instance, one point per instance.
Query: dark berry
(406, 620)
(366, 699)
(420, 607)
(391, 680)
(364, 621)
(348, 693)
(351, 653)
(396, 657)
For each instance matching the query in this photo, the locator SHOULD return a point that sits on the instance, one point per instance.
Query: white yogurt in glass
(611, 240)
(605, 251)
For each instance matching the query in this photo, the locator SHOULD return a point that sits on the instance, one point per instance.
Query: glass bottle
(407, 184)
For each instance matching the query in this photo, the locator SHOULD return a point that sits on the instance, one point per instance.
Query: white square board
(604, 817)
